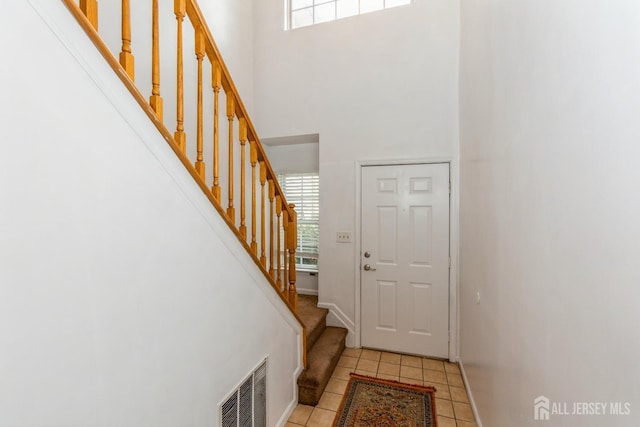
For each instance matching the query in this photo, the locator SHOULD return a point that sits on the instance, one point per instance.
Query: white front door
(405, 258)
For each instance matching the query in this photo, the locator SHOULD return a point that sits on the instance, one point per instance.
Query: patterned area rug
(373, 402)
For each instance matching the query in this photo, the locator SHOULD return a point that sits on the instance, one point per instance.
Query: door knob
(367, 267)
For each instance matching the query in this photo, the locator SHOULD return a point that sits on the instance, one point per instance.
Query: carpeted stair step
(321, 361)
(313, 317)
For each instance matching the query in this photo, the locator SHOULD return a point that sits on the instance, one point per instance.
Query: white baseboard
(303, 291)
(472, 402)
(287, 412)
(343, 320)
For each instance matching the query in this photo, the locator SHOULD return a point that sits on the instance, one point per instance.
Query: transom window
(308, 12)
(303, 190)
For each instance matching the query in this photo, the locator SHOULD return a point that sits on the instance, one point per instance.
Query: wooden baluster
(231, 211)
(216, 83)
(180, 10)
(263, 239)
(254, 160)
(126, 58)
(285, 255)
(90, 10)
(272, 194)
(200, 166)
(278, 266)
(155, 101)
(243, 140)
(293, 243)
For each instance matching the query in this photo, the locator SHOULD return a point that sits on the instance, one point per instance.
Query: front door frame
(454, 227)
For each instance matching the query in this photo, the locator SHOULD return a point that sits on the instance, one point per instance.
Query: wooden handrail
(278, 267)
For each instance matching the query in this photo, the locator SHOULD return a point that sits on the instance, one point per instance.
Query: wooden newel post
(292, 243)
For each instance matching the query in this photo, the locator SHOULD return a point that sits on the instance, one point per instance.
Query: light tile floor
(452, 403)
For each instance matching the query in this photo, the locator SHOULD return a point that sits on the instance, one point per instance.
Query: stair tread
(322, 358)
(313, 317)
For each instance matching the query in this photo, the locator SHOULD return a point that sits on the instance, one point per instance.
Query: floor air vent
(247, 405)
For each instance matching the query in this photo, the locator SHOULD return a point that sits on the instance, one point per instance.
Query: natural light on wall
(308, 12)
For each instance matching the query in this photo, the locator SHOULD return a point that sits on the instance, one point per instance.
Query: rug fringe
(398, 383)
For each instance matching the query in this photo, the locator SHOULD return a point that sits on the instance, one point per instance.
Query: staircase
(324, 347)
(241, 186)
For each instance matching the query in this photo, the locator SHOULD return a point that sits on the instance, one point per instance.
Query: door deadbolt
(367, 254)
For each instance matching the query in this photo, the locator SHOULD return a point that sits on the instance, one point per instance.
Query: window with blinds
(303, 190)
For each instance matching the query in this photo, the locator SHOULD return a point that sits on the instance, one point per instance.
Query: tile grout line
(400, 365)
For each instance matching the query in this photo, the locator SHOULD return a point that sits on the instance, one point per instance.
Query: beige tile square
(368, 365)
(455, 380)
(452, 368)
(414, 361)
(411, 372)
(434, 365)
(446, 422)
(301, 414)
(465, 423)
(388, 368)
(390, 358)
(444, 408)
(330, 401)
(387, 376)
(442, 390)
(365, 373)
(434, 376)
(352, 352)
(463, 411)
(321, 418)
(413, 381)
(336, 385)
(370, 355)
(348, 362)
(341, 373)
(458, 394)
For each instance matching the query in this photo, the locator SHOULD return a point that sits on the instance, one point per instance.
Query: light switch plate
(343, 237)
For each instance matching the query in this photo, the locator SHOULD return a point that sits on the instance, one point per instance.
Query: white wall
(294, 158)
(549, 206)
(124, 298)
(376, 86)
